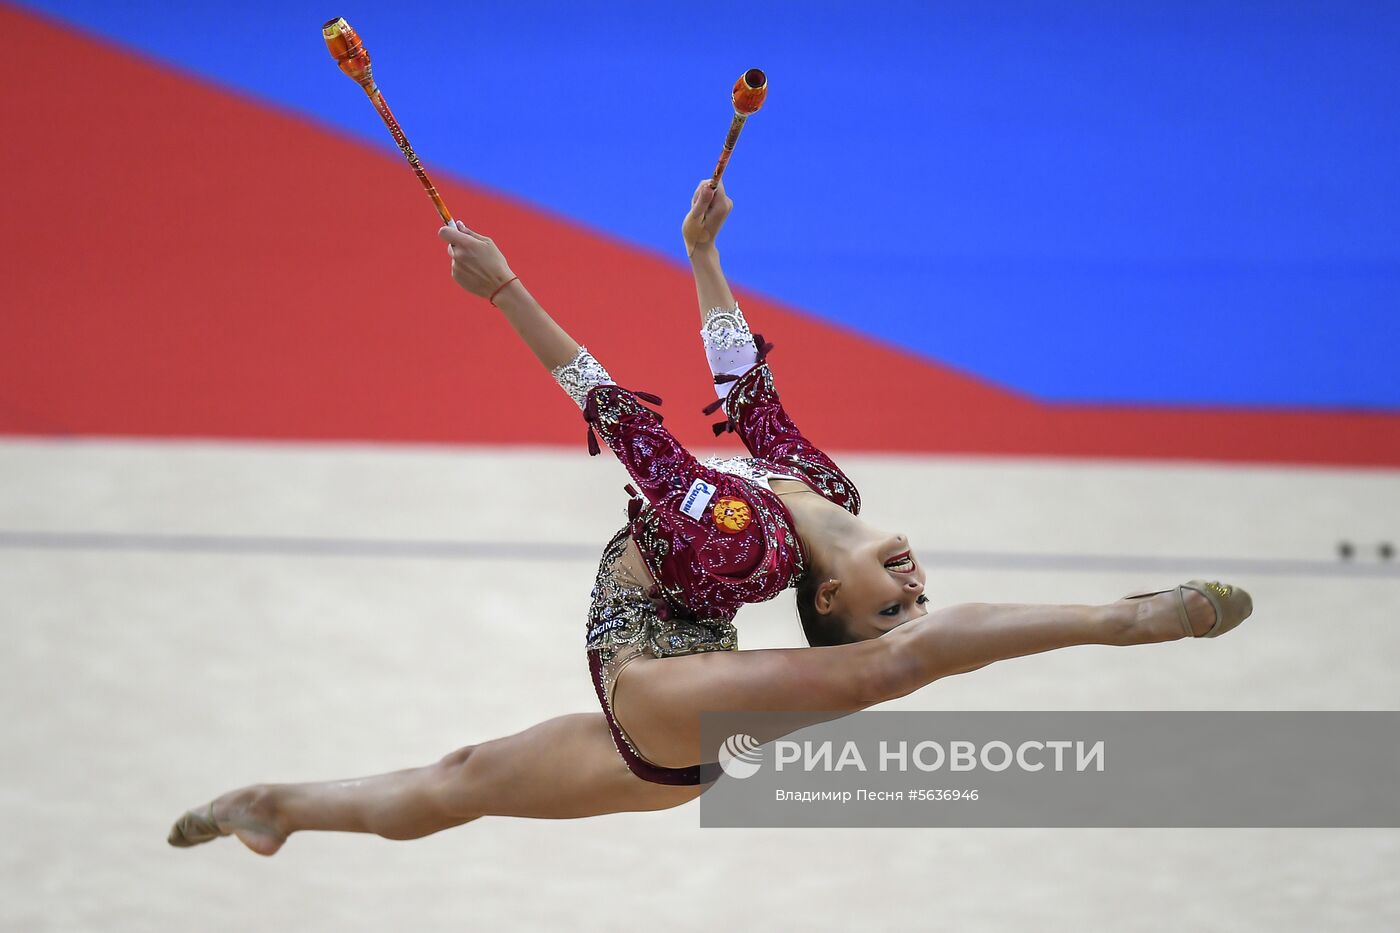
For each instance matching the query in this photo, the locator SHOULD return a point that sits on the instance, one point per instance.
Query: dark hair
(822, 631)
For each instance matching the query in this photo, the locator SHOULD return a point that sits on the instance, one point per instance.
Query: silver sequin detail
(580, 374)
(620, 614)
(623, 623)
(725, 329)
(744, 468)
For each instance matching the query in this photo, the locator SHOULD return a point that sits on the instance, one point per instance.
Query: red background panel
(179, 261)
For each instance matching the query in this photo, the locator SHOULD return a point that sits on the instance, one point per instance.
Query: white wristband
(729, 345)
(580, 374)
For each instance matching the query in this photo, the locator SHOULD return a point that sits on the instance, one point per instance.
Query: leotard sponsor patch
(597, 631)
(696, 499)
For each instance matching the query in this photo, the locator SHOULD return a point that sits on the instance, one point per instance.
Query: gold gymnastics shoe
(194, 828)
(1232, 605)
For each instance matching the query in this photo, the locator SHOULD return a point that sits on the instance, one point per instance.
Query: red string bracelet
(492, 299)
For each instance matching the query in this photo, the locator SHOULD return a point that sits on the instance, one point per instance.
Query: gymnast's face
(875, 583)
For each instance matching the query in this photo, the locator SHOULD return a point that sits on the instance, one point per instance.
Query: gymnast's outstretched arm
(708, 209)
(745, 389)
(729, 347)
(651, 455)
(479, 266)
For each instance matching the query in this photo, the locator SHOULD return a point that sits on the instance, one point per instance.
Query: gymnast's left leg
(657, 701)
(563, 768)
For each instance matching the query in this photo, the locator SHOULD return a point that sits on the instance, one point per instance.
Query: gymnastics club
(349, 53)
(748, 95)
(749, 92)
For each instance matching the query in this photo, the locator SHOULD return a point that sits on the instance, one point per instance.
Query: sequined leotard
(712, 535)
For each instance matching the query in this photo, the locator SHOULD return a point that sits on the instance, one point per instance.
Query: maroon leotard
(712, 535)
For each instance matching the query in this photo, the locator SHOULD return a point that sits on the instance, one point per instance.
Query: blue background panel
(1133, 203)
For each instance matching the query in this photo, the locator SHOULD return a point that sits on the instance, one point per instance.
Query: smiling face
(872, 584)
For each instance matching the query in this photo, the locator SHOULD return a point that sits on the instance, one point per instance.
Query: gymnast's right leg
(563, 768)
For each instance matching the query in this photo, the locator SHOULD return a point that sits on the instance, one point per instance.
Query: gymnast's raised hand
(477, 262)
(708, 209)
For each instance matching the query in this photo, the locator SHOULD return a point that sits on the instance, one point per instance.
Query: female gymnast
(702, 539)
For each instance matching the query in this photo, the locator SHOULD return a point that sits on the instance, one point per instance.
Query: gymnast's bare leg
(560, 769)
(658, 705)
(568, 767)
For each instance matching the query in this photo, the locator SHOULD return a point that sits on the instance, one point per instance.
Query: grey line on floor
(294, 546)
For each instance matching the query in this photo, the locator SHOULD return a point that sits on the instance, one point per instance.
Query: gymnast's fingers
(470, 232)
(704, 196)
(459, 235)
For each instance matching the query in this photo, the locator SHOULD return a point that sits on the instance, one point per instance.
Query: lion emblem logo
(732, 515)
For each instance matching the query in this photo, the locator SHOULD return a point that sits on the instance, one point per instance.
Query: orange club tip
(338, 34)
(750, 91)
(346, 48)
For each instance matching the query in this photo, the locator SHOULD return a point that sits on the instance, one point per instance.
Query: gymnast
(702, 539)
